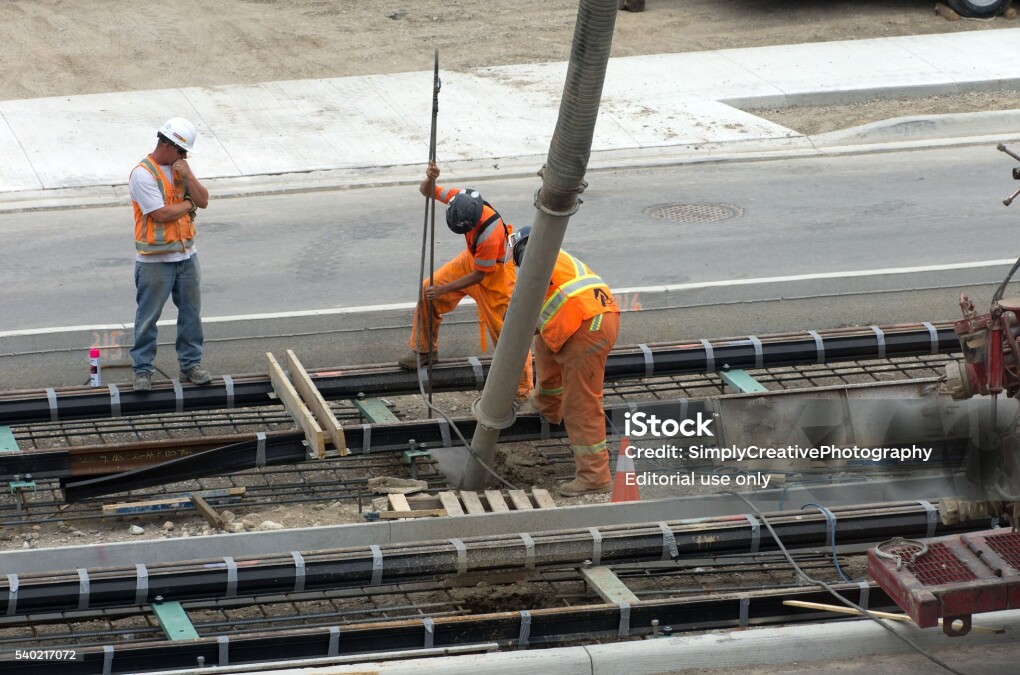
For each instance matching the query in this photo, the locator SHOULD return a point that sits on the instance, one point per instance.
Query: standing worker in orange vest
(479, 271)
(576, 331)
(165, 194)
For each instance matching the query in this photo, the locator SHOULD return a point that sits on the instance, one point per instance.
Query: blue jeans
(154, 283)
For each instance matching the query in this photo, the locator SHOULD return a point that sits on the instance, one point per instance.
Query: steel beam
(375, 565)
(700, 356)
(516, 629)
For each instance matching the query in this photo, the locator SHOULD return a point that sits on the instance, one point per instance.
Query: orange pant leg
(549, 390)
(459, 266)
(491, 295)
(582, 361)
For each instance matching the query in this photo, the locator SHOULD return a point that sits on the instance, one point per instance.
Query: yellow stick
(836, 609)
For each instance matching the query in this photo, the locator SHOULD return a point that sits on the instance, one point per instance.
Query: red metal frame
(960, 575)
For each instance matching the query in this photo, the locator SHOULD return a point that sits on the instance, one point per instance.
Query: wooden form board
(466, 502)
(288, 395)
(167, 503)
(314, 400)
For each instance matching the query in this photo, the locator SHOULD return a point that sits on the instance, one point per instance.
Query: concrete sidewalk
(361, 129)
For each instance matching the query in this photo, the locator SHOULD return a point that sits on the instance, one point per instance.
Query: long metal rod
(408, 563)
(696, 356)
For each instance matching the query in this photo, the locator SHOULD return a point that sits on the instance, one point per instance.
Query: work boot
(143, 382)
(576, 488)
(196, 375)
(411, 359)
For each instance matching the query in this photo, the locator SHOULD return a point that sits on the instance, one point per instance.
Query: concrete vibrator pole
(555, 202)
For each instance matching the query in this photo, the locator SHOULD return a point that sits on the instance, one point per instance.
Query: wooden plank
(543, 499)
(608, 585)
(495, 500)
(208, 512)
(398, 502)
(424, 502)
(316, 403)
(836, 609)
(471, 502)
(419, 513)
(285, 391)
(167, 503)
(451, 503)
(520, 500)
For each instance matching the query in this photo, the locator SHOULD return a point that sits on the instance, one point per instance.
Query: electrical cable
(821, 584)
(830, 522)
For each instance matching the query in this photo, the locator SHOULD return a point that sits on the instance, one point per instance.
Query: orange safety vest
(174, 236)
(575, 295)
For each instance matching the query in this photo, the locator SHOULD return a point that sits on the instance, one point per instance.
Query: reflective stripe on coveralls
(577, 331)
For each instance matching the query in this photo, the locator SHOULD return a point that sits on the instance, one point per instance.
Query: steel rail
(406, 563)
(695, 356)
(516, 629)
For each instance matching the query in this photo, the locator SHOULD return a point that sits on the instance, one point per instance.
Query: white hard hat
(180, 132)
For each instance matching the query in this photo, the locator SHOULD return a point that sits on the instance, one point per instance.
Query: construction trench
(514, 572)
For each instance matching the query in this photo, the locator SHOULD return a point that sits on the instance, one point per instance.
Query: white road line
(409, 306)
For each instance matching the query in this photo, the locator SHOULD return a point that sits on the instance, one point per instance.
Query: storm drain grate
(694, 213)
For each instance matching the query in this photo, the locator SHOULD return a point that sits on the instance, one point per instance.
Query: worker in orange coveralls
(481, 271)
(576, 331)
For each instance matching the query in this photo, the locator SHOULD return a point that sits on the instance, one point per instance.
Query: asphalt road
(361, 247)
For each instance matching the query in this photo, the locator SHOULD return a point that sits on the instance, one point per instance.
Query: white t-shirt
(145, 191)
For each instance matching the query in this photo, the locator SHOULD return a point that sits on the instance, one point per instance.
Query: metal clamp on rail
(260, 449)
(83, 588)
(299, 571)
(596, 546)
(755, 532)
(669, 548)
(178, 395)
(476, 367)
(430, 632)
(377, 565)
(141, 584)
(819, 347)
(529, 550)
(932, 514)
(461, 555)
(334, 641)
(880, 337)
(114, 401)
(12, 594)
(624, 618)
(525, 634)
(709, 356)
(231, 577)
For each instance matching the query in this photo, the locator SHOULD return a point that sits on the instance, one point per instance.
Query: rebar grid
(464, 596)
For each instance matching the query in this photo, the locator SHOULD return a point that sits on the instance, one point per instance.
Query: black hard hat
(464, 211)
(517, 242)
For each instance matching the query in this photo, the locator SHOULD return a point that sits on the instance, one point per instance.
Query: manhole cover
(694, 213)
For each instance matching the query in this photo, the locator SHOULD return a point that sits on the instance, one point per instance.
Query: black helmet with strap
(518, 241)
(464, 211)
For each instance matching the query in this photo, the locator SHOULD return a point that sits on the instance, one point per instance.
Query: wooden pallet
(465, 502)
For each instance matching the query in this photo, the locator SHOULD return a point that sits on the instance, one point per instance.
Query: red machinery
(954, 577)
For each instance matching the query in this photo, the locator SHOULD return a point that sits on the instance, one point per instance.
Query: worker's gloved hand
(194, 208)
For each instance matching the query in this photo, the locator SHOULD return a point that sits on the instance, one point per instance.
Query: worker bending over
(481, 271)
(576, 331)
